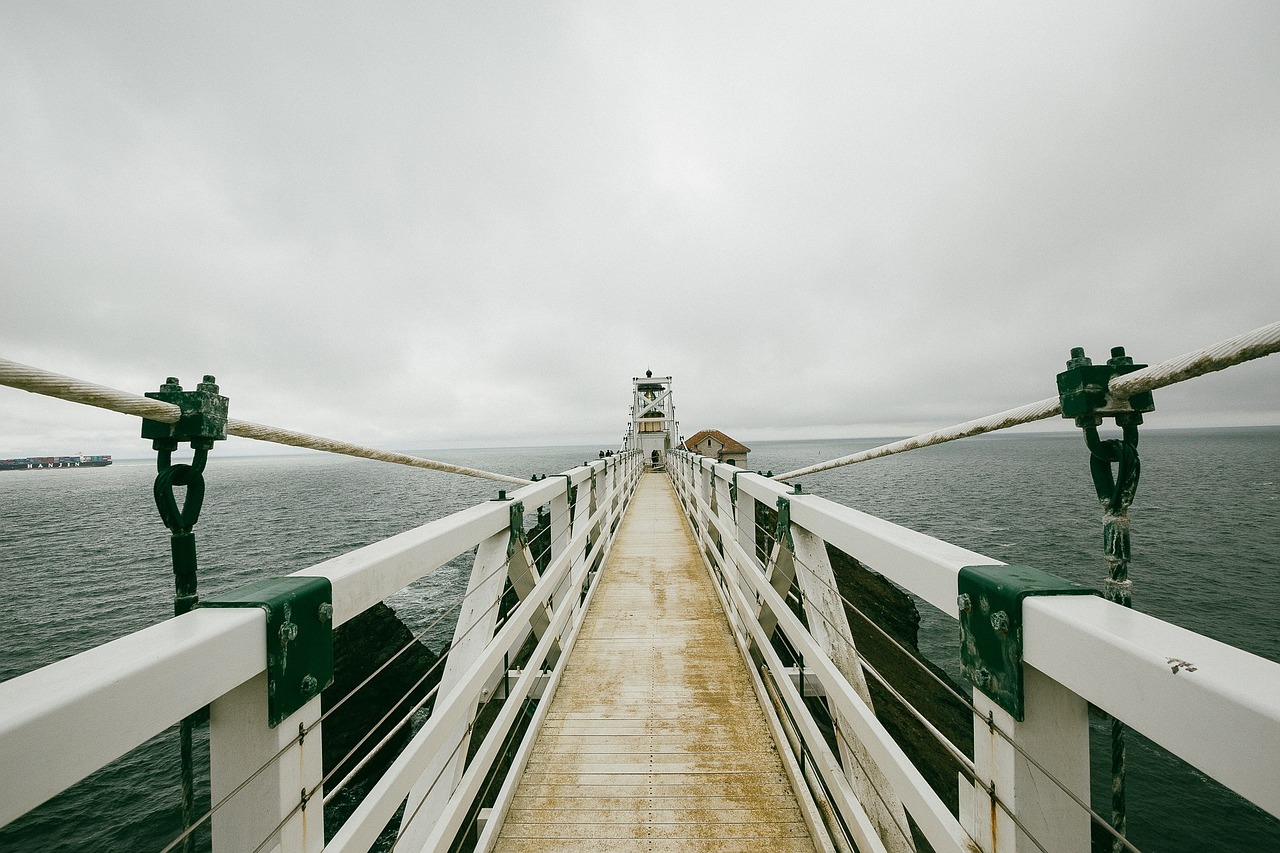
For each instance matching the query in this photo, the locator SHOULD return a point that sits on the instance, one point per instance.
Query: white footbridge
(666, 673)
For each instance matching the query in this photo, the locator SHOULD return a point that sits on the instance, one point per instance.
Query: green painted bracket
(203, 419)
(1082, 388)
(782, 533)
(990, 602)
(570, 494)
(299, 637)
(518, 538)
(733, 486)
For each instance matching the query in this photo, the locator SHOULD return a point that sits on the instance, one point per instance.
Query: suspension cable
(27, 378)
(1237, 350)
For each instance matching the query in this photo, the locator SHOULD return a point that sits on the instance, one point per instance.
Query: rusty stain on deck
(654, 740)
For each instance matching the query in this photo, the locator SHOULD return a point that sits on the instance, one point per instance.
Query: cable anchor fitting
(1084, 390)
(202, 421)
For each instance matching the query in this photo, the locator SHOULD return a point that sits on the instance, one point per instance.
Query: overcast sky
(471, 224)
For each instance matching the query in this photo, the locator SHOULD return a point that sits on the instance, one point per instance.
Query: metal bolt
(288, 632)
(209, 384)
(1118, 358)
(325, 612)
(1000, 621)
(963, 602)
(1078, 358)
(798, 489)
(309, 685)
(984, 677)
(171, 384)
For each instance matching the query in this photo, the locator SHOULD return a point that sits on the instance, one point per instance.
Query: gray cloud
(469, 226)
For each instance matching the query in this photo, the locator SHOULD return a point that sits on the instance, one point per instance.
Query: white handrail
(111, 698)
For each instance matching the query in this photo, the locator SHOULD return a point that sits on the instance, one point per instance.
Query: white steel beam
(240, 743)
(824, 611)
(1056, 733)
(60, 723)
(438, 737)
(1213, 705)
(363, 577)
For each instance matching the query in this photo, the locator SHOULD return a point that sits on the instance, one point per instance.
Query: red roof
(730, 446)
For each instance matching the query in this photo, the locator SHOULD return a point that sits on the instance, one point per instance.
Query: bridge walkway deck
(655, 740)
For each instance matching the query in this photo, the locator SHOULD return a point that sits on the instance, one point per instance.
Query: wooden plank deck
(654, 740)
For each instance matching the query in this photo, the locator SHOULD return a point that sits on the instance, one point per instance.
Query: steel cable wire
(328, 796)
(507, 743)
(343, 782)
(369, 756)
(1250, 345)
(461, 740)
(24, 377)
(904, 831)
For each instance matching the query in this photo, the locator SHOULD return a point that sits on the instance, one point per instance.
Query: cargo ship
(78, 461)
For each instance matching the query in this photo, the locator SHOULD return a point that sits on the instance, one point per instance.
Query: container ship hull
(33, 462)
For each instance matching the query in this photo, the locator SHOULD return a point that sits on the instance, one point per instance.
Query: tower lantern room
(653, 418)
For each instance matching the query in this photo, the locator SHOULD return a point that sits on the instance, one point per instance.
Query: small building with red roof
(718, 446)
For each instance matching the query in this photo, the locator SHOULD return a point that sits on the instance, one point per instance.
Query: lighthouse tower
(653, 418)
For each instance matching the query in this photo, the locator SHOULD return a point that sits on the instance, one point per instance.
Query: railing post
(241, 742)
(744, 508)
(580, 506)
(704, 486)
(561, 532)
(1056, 733)
(1022, 715)
(724, 502)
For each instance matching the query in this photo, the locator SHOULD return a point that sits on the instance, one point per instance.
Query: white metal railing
(111, 699)
(1224, 718)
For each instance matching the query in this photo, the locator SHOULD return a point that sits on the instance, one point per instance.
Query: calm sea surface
(84, 559)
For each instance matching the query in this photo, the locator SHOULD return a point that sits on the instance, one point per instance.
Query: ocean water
(84, 559)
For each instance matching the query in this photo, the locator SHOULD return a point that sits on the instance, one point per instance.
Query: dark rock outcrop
(880, 602)
(360, 646)
(883, 603)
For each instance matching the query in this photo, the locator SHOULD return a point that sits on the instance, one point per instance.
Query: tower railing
(1026, 785)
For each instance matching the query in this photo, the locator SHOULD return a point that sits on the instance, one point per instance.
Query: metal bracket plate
(203, 418)
(990, 601)
(518, 538)
(299, 637)
(733, 487)
(1082, 389)
(782, 533)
